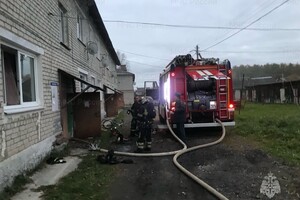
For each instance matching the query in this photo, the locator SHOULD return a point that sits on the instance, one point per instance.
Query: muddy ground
(236, 168)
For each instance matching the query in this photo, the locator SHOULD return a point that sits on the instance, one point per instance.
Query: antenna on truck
(198, 53)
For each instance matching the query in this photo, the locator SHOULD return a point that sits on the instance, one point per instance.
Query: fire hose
(192, 176)
(177, 154)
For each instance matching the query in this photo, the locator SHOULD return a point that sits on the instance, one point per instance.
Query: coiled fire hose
(192, 176)
(179, 153)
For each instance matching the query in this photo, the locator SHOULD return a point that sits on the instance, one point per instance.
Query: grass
(275, 126)
(21, 180)
(89, 181)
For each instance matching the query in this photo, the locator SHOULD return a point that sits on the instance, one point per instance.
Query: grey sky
(167, 42)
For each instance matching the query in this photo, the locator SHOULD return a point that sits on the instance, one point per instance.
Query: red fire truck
(205, 86)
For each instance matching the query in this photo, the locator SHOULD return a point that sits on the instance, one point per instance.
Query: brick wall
(37, 22)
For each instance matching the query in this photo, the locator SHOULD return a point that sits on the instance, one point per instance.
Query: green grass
(275, 126)
(89, 181)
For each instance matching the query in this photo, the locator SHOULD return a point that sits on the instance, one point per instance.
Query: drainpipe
(3, 143)
(38, 124)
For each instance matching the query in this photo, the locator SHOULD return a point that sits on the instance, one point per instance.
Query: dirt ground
(236, 168)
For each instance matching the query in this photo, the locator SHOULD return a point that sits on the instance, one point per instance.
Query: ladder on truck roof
(222, 91)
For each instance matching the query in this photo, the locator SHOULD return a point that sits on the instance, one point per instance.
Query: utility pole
(241, 94)
(197, 51)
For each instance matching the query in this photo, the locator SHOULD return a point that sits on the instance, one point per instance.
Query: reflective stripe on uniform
(148, 144)
(140, 145)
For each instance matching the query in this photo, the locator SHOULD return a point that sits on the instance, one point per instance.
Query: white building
(125, 84)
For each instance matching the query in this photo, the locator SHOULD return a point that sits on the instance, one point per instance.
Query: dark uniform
(145, 117)
(179, 117)
(134, 110)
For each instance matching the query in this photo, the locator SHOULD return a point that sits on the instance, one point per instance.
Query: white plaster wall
(24, 161)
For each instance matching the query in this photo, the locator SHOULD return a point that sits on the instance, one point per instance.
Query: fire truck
(205, 86)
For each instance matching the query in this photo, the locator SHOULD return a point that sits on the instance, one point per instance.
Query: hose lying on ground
(192, 176)
(179, 153)
(152, 154)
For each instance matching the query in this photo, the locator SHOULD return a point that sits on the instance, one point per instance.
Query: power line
(200, 27)
(142, 55)
(230, 36)
(253, 13)
(144, 64)
(241, 52)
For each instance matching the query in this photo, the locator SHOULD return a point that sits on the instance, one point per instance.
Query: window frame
(84, 74)
(23, 106)
(79, 26)
(93, 80)
(64, 25)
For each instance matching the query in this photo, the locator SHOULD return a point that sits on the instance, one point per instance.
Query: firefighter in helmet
(133, 111)
(179, 117)
(145, 116)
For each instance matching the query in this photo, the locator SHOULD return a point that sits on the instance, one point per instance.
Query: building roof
(273, 83)
(93, 11)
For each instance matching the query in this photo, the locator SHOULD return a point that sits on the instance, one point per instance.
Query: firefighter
(134, 110)
(145, 116)
(179, 117)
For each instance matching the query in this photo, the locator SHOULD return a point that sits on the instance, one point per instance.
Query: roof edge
(95, 14)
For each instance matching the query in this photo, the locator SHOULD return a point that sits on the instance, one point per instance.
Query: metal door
(87, 118)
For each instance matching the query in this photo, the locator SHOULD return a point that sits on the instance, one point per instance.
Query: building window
(83, 76)
(93, 80)
(79, 27)
(64, 33)
(20, 78)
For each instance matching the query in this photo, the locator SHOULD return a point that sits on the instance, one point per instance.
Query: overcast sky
(164, 43)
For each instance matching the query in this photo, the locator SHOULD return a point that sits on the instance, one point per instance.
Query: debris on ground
(55, 160)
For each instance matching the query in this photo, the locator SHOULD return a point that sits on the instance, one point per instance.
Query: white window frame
(85, 77)
(12, 40)
(24, 106)
(85, 74)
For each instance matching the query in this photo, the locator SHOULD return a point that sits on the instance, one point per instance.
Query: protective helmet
(144, 100)
(149, 99)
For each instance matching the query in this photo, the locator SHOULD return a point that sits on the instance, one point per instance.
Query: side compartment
(201, 98)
